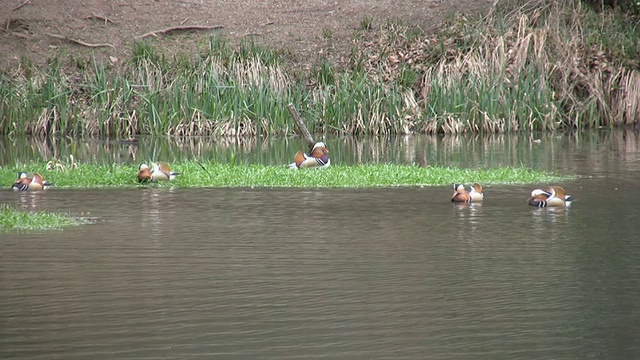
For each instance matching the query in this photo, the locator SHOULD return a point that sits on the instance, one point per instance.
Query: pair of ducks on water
(552, 196)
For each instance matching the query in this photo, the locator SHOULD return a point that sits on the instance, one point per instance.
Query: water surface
(394, 273)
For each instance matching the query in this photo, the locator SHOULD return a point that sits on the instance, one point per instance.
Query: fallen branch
(179, 28)
(23, 36)
(191, 3)
(101, 18)
(79, 42)
(18, 7)
(301, 126)
(25, 2)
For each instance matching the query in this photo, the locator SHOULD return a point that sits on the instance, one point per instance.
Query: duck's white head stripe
(537, 192)
(319, 144)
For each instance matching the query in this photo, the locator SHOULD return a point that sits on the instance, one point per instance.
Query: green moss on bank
(12, 219)
(256, 175)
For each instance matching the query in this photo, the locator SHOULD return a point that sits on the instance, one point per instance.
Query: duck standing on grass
(552, 196)
(317, 158)
(461, 195)
(158, 172)
(34, 183)
(161, 171)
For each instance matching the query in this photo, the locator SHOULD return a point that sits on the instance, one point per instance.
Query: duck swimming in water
(33, 183)
(552, 196)
(461, 195)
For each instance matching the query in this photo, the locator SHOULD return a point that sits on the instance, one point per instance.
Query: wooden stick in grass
(301, 126)
(179, 28)
(101, 18)
(79, 42)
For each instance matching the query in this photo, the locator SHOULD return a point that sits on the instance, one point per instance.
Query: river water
(391, 273)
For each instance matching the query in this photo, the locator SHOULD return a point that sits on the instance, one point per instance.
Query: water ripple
(237, 273)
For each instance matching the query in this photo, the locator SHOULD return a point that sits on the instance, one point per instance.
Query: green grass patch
(12, 219)
(256, 175)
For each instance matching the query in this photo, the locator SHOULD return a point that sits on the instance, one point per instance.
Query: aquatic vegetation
(12, 219)
(61, 165)
(542, 66)
(256, 175)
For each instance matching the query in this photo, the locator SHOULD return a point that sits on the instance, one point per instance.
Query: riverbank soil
(36, 31)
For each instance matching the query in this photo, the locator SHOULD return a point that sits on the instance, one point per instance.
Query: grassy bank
(12, 219)
(541, 66)
(224, 175)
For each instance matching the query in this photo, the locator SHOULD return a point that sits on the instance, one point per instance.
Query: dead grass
(561, 49)
(541, 66)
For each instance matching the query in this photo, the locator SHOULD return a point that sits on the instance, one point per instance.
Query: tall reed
(541, 66)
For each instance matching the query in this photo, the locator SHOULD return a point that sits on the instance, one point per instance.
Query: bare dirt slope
(310, 29)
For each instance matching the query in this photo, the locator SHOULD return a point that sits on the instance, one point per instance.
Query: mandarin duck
(158, 172)
(552, 196)
(317, 158)
(461, 195)
(162, 171)
(33, 183)
(144, 173)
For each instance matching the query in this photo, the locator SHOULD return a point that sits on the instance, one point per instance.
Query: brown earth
(309, 29)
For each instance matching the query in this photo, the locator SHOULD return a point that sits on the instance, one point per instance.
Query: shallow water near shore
(396, 273)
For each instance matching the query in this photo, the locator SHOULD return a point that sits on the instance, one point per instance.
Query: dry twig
(101, 18)
(80, 42)
(25, 2)
(18, 7)
(22, 36)
(190, 3)
(179, 28)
